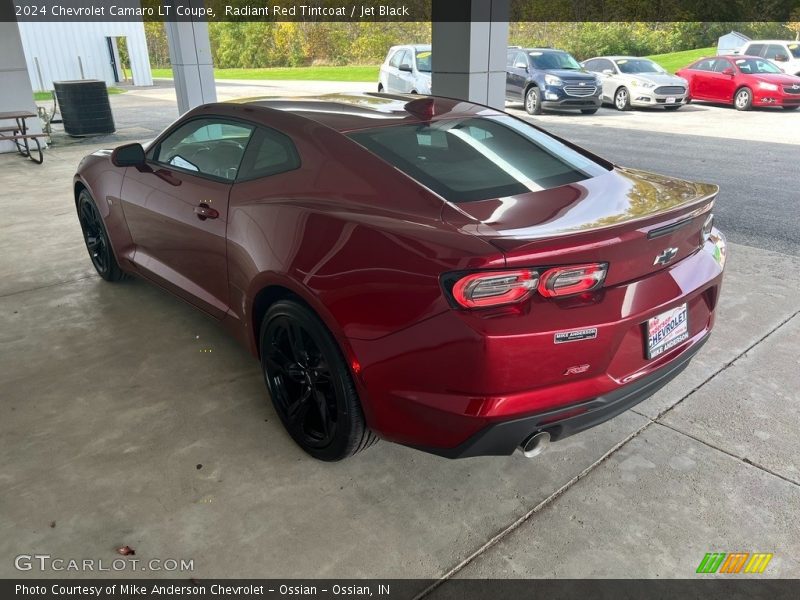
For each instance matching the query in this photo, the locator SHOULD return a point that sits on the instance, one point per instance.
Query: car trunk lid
(635, 221)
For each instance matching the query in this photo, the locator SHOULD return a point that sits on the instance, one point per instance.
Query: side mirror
(405, 67)
(728, 71)
(129, 155)
(520, 65)
(781, 57)
(607, 72)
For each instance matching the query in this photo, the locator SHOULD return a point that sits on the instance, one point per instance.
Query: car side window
(270, 152)
(703, 65)
(510, 58)
(395, 60)
(606, 64)
(520, 59)
(593, 65)
(206, 146)
(406, 58)
(720, 65)
(776, 51)
(755, 50)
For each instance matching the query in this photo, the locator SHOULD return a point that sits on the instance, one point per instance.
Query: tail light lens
(494, 288)
(565, 281)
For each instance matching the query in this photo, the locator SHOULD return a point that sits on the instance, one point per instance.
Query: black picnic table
(18, 133)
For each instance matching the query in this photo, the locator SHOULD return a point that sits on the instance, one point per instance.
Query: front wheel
(533, 101)
(310, 384)
(95, 237)
(622, 99)
(743, 100)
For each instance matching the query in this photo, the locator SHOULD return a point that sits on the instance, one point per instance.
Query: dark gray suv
(548, 78)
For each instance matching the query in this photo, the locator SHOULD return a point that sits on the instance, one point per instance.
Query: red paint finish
(369, 249)
(721, 84)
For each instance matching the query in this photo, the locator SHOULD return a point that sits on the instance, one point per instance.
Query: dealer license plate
(671, 100)
(667, 330)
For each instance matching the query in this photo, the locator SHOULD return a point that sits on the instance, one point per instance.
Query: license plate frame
(666, 330)
(670, 100)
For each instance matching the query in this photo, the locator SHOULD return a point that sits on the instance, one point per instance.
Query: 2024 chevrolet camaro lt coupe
(424, 270)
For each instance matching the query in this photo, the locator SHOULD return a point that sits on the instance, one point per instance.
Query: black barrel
(84, 106)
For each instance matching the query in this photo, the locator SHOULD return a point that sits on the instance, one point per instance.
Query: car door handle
(204, 211)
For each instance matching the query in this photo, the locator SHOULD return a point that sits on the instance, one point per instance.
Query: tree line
(295, 44)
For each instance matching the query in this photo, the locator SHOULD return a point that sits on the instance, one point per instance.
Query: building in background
(114, 52)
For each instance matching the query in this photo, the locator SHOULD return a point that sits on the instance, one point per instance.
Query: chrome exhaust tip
(535, 444)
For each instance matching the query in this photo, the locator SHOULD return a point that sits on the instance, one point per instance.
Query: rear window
(469, 159)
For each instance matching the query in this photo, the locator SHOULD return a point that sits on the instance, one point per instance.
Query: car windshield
(477, 158)
(638, 65)
(424, 61)
(756, 65)
(553, 60)
(794, 48)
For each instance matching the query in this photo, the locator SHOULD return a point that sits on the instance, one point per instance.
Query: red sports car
(425, 270)
(743, 81)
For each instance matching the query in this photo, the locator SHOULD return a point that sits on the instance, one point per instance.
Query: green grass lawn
(49, 95)
(350, 73)
(676, 60)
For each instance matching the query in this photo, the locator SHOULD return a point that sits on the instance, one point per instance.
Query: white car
(631, 81)
(406, 70)
(786, 55)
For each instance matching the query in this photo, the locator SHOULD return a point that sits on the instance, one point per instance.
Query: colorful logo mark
(734, 562)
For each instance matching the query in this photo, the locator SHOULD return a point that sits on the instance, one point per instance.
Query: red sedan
(743, 81)
(429, 271)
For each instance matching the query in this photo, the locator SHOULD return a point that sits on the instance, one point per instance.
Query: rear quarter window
(469, 159)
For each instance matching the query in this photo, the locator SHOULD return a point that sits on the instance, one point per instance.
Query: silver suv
(406, 70)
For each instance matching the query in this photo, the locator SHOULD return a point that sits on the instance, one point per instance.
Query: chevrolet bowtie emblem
(666, 256)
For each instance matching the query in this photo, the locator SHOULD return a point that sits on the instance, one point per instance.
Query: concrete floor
(119, 427)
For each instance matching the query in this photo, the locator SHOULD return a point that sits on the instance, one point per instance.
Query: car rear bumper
(447, 383)
(502, 438)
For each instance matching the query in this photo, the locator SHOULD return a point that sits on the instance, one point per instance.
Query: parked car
(406, 70)
(546, 78)
(433, 272)
(630, 81)
(786, 55)
(743, 81)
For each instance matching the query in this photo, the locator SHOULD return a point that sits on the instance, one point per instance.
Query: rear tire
(622, 99)
(380, 88)
(533, 101)
(743, 99)
(96, 239)
(310, 385)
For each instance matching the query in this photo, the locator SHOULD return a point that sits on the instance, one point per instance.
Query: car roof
(364, 110)
(769, 42)
(620, 57)
(412, 46)
(539, 49)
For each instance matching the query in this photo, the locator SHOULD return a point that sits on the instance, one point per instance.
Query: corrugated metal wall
(61, 49)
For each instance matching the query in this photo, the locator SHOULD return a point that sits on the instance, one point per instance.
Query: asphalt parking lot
(120, 428)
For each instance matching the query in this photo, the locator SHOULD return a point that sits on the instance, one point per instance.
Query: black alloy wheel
(95, 237)
(310, 384)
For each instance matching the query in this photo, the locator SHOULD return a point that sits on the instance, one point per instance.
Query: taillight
(708, 227)
(494, 288)
(564, 281)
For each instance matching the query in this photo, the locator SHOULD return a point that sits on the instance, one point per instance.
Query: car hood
(657, 78)
(569, 74)
(779, 78)
(620, 196)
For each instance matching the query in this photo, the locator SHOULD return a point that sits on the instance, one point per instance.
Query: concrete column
(470, 41)
(16, 93)
(190, 55)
